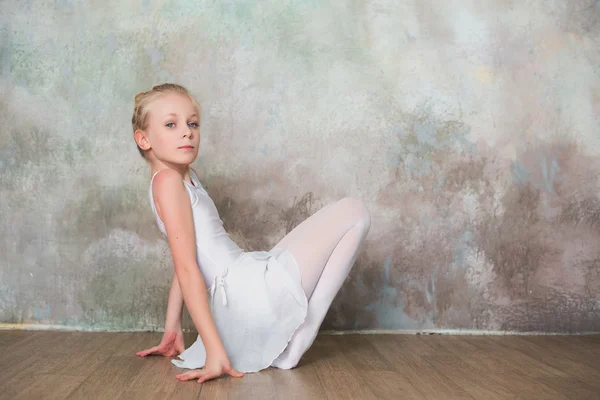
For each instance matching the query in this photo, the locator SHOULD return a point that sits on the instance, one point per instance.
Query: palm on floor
(171, 345)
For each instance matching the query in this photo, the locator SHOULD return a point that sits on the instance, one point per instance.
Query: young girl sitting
(252, 309)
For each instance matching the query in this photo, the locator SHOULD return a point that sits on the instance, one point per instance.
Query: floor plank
(117, 372)
(391, 385)
(259, 385)
(479, 385)
(571, 348)
(530, 366)
(406, 354)
(362, 354)
(10, 338)
(508, 371)
(559, 358)
(301, 383)
(336, 373)
(571, 388)
(52, 387)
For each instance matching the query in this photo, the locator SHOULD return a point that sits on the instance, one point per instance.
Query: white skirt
(257, 305)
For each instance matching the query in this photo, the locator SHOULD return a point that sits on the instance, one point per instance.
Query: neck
(184, 170)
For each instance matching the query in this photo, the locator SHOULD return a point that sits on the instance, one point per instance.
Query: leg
(325, 246)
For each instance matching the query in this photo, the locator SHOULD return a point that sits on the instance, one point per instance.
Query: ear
(142, 139)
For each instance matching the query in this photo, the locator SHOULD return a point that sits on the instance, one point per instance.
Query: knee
(358, 211)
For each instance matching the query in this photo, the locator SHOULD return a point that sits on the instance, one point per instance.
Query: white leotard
(215, 249)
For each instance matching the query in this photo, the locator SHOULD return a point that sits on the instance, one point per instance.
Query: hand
(214, 368)
(170, 345)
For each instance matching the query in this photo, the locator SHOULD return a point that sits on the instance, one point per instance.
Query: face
(173, 129)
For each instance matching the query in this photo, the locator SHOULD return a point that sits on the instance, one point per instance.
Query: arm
(174, 208)
(172, 342)
(174, 307)
(173, 203)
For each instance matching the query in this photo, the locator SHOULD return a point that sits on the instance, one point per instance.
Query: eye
(170, 124)
(193, 124)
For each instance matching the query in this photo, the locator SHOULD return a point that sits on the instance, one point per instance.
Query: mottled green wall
(470, 129)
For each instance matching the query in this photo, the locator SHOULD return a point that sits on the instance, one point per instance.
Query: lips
(186, 147)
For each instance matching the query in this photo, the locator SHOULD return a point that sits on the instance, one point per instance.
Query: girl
(253, 309)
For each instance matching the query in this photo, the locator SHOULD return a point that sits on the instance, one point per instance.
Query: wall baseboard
(43, 327)
(470, 332)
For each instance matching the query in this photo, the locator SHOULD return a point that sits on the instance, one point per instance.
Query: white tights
(325, 246)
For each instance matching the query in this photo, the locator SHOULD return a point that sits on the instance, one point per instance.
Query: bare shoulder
(168, 188)
(167, 180)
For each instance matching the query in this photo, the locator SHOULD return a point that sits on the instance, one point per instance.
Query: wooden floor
(78, 365)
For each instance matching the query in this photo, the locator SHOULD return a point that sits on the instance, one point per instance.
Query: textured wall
(471, 131)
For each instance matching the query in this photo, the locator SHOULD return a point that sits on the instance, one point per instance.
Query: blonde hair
(143, 100)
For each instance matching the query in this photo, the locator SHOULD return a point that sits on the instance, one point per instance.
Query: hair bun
(139, 96)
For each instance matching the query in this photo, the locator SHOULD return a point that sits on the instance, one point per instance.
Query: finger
(186, 376)
(207, 376)
(180, 349)
(235, 373)
(144, 353)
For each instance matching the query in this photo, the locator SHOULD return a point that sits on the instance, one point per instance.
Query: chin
(187, 160)
(180, 159)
